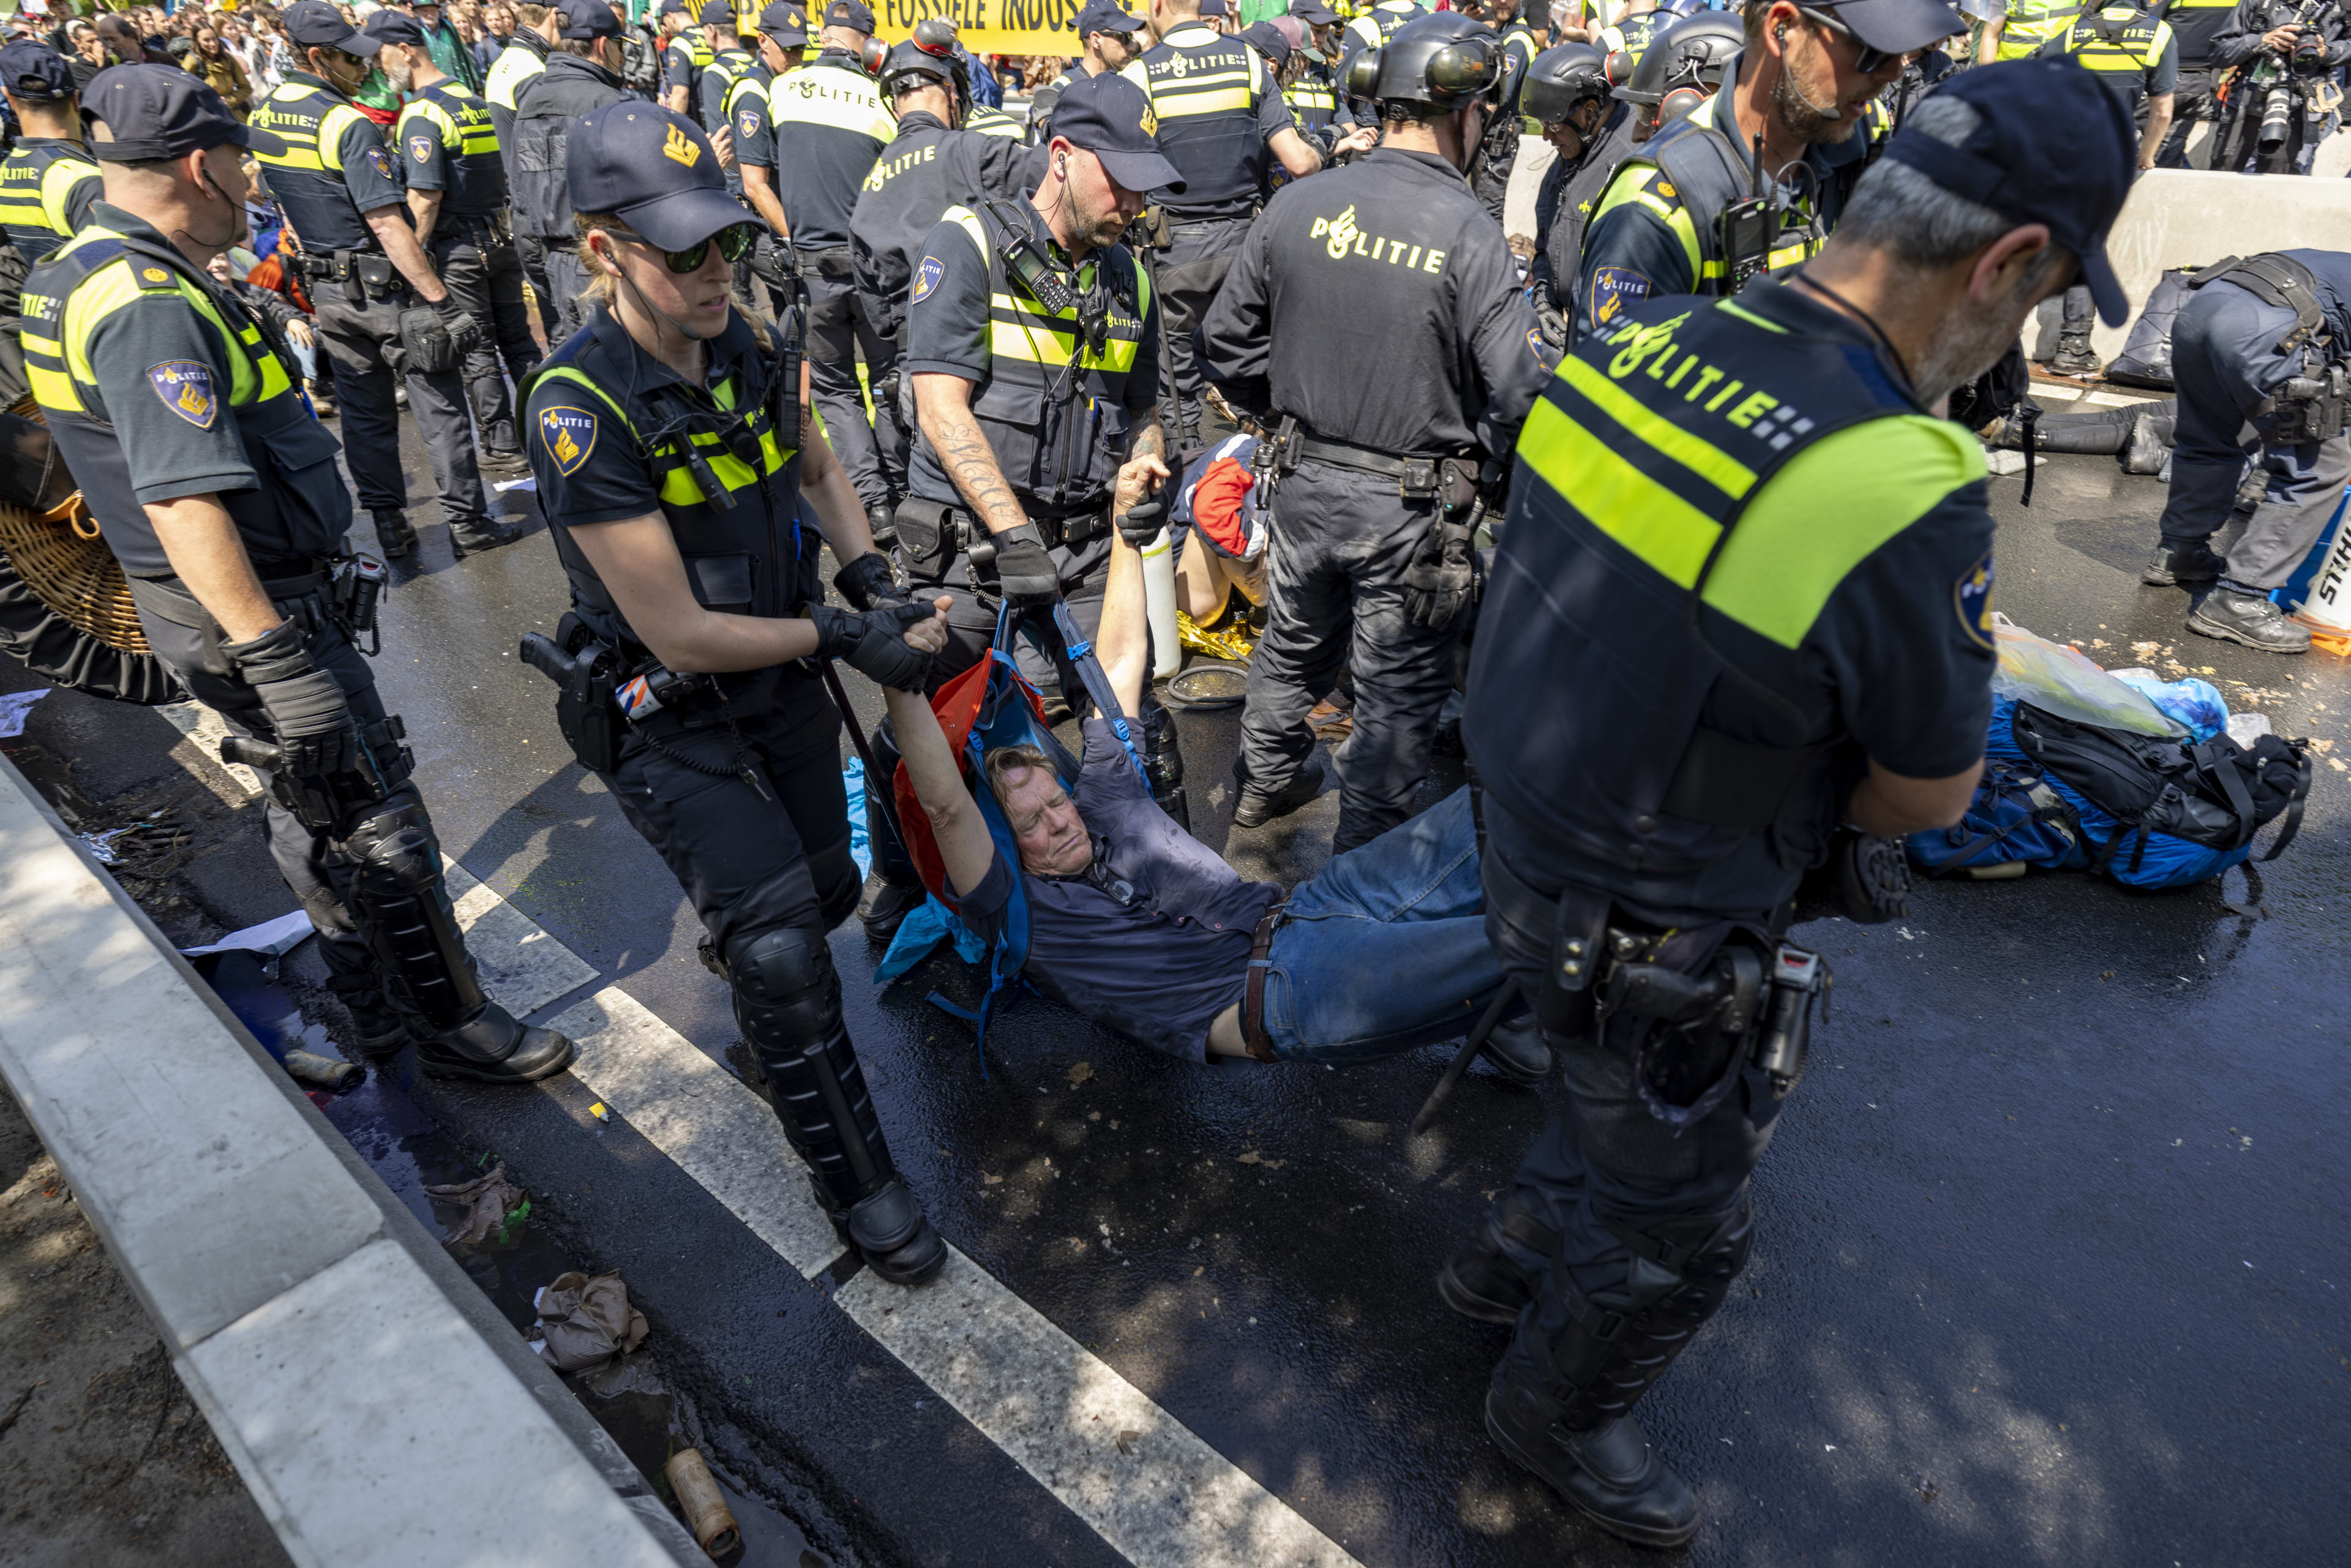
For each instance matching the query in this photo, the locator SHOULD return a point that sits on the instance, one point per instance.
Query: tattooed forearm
(965, 453)
(1150, 440)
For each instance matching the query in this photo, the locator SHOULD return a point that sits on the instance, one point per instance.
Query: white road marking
(1143, 1481)
(205, 730)
(714, 1126)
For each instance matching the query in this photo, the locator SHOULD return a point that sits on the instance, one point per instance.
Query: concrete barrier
(374, 1403)
(2180, 217)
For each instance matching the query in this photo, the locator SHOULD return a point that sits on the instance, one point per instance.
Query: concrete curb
(374, 1403)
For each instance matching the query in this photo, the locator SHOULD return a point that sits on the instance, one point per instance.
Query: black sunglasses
(1868, 61)
(732, 241)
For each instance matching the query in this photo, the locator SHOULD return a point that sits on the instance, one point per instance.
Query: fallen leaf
(1080, 1072)
(1254, 1159)
(1093, 1115)
(988, 1180)
(1126, 1440)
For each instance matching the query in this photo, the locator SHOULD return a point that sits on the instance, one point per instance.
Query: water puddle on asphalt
(509, 1258)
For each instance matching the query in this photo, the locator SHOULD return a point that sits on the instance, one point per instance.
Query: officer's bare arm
(424, 207)
(2158, 123)
(399, 241)
(637, 559)
(965, 849)
(1296, 154)
(204, 548)
(942, 408)
(824, 484)
(1891, 805)
(760, 185)
(1988, 46)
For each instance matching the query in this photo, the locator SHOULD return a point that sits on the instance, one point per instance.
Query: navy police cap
(585, 19)
(653, 170)
(786, 23)
(1111, 118)
(2051, 146)
(31, 70)
(853, 15)
(1107, 17)
(315, 25)
(147, 112)
(390, 26)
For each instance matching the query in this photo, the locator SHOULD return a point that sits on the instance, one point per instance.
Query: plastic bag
(2061, 680)
(2192, 703)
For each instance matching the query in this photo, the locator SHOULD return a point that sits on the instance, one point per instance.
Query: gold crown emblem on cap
(1149, 122)
(678, 145)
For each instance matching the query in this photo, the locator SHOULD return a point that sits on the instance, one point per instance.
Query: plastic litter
(2244, 729)
(322, 1071)
(2062, 680)
(14, 709)
(705, 1506)
(271, 938)
(861, 837)
(924, 927)
(586, 1321)
(487, 1199)
(2192, 703)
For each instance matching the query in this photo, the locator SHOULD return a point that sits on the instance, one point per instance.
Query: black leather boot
(2246, 616)
(488, 535)
(886, 905)
(1258, 806)
(395, 535)
(2193, 563)
(1612, 1472)
(494, 1047)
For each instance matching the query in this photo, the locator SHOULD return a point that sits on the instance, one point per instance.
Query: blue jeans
(1385, 950)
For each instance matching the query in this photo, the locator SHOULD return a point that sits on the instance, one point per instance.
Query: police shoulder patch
(928, 275)
(569, 436)
(381, 161)
(1616, 287)
(186, 389)
(748, 122)
(153, 274)
(420, 149)
(1972, 598)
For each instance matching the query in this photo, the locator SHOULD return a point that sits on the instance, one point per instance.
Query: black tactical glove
(874, 642)
(1024, 568)
(868, 581)
(1442, 577)
(465, 333)
(1142, 522)
(316, 733)
(1548, 321)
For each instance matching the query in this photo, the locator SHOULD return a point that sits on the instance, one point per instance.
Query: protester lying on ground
(1144, 929)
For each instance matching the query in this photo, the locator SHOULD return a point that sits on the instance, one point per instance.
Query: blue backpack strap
(1090, 671)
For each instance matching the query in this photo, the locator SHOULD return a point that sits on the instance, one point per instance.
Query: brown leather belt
(1253, 1000)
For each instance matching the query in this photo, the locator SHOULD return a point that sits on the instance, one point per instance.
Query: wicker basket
(61, 557)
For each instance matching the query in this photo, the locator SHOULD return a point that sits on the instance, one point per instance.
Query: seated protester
(1219, 543)
(1143, 929)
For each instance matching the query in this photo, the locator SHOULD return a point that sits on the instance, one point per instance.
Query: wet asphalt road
(2050, 1264)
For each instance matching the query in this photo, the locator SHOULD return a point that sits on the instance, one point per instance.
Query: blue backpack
(988, 706)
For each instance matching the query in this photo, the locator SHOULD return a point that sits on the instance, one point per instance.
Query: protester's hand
(1025, 573)
(1363, 139)
(722, 141)
(930, 636)
(300, 334)
(1138, 478)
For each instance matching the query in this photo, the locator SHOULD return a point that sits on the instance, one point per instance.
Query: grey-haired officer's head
(173, 154)
(1996, 192)
(1102, 161)
(658, 232)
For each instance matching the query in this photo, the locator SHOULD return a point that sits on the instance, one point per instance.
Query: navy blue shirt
(1156, 947)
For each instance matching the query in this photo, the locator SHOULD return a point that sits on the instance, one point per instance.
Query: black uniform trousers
(530, 255)
(567, 281)
(2224, 360)
(14, 382)
(2193, 103)
(361, 334)
(1341, 540)
(484, 275)
(749, 861)
(1649, 1227)
(1189, 272)
(319, 875)
(837, 329)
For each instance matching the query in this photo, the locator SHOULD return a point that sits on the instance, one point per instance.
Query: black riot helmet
(1559, 79)
(1444, 59)
(928, 57)
(1693, 54)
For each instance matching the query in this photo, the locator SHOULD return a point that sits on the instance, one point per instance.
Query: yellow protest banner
(990, 27)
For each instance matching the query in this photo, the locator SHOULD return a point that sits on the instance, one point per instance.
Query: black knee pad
(786, 986)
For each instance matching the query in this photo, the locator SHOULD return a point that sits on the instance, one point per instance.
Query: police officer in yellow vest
(2024, 29)
(829, 125)
(1747, 585)
(175, 409)
(1221, 121)
(730, 62)
(382, 310)
(46, 184)
(457, 194)
(683, 58)
(1689, 213)
(676, 464)
(2131, 50)
(1107, 37)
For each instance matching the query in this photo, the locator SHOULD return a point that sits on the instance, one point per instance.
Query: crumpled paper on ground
(584, 1319)
(487, 1198)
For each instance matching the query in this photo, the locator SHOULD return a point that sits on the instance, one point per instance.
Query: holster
(583, 671)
